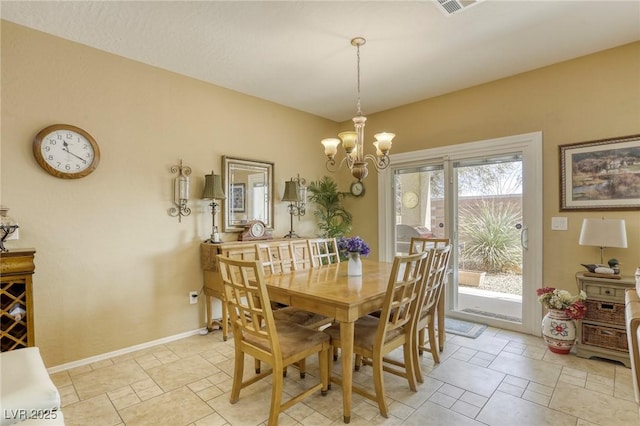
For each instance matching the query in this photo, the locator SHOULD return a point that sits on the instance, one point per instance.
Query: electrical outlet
(193, 297)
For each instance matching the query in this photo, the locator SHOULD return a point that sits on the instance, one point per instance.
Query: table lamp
(295, 193)
(603, 233)
(213, 191)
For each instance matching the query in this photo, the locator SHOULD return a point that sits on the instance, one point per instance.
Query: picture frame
(238, 197)
(601, 174)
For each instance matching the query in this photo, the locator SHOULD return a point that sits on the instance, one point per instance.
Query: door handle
(524, 237)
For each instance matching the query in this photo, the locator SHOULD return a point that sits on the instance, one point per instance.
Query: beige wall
(593, 97)
(113, 269)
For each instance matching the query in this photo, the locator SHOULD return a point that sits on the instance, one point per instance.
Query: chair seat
(293, 338)
(301, 317)
(364, 332)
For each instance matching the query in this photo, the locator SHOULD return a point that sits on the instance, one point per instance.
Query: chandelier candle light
(352, 141)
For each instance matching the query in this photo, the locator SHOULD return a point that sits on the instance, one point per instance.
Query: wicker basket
(605, 337)
(609, 312)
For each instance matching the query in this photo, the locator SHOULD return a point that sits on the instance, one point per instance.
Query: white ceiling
(298, 53)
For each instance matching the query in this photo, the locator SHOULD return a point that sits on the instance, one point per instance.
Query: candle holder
(180, 191)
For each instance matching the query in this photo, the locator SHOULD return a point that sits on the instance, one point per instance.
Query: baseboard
(102, 357)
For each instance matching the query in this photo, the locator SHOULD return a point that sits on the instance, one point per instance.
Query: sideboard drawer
(605, 337)
(600, 291)
(609, 312)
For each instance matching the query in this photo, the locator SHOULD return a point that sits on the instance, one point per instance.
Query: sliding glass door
(486, 198)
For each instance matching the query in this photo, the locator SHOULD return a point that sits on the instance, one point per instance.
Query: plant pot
(558, 331)
(471, 278)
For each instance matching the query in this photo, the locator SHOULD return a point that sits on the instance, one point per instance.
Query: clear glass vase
(354, 265)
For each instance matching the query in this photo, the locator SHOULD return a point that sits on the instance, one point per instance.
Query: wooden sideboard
(602, 332)
(16, 299)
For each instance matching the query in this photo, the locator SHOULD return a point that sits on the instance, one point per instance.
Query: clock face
(257, 229)
(410, 200)
(66, 151)
(357, 188)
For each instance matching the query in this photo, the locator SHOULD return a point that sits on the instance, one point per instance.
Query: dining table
(328, 290)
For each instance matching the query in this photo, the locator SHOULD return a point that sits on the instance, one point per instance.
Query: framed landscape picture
(601, 175)
(237, 197)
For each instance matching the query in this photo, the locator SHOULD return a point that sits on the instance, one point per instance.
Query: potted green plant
(334, 220)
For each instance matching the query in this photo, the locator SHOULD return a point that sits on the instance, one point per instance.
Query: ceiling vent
(450, 7)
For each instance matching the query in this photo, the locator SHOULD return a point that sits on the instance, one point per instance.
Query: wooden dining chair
(419, 244)
(376, 337)
(324, 251)
(279, 257)
(235, 251)
(433, 289)
(302, 254)
(258, 334)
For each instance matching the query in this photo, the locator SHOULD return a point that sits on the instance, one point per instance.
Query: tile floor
(500, 378)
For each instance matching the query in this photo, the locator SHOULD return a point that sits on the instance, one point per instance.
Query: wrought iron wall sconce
(295, 192)
(180, 191)
(213, 191)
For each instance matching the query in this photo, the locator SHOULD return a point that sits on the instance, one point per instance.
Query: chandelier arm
(380, 163)
(331, 164)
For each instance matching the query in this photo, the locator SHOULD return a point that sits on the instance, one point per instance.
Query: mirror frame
(228, 164)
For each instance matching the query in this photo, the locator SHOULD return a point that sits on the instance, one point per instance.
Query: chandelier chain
(358, 71)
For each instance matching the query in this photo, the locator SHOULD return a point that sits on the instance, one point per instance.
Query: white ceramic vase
(354, 265)
(559, 331)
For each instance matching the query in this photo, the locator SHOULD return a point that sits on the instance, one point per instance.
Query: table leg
(346, 344)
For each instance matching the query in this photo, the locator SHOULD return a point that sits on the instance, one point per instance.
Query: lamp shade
(291, 192)
(603, 233)
(213, 188)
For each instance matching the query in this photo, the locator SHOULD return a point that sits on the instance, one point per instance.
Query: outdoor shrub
(490, 239)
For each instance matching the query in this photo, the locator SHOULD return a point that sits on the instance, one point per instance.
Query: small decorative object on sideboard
(558, 326)
(8, 228)
(255, 230)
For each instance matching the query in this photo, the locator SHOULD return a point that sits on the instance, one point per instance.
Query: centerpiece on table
(352, 248)
(558, 325)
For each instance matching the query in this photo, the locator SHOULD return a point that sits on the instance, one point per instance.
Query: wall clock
(66, 151)
(410, 200)
(357, 189)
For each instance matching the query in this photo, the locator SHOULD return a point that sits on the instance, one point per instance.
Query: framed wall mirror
(250, 193)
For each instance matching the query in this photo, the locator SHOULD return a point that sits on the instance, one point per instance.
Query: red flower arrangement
(573, 306)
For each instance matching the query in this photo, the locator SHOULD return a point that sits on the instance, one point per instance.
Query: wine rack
(16, 304)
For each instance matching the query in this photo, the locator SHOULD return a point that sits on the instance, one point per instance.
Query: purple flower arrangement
(353, 245)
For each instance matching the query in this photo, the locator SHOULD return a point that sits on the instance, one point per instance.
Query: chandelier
(352, 141)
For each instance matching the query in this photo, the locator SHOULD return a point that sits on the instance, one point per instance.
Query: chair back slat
(324, 251)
